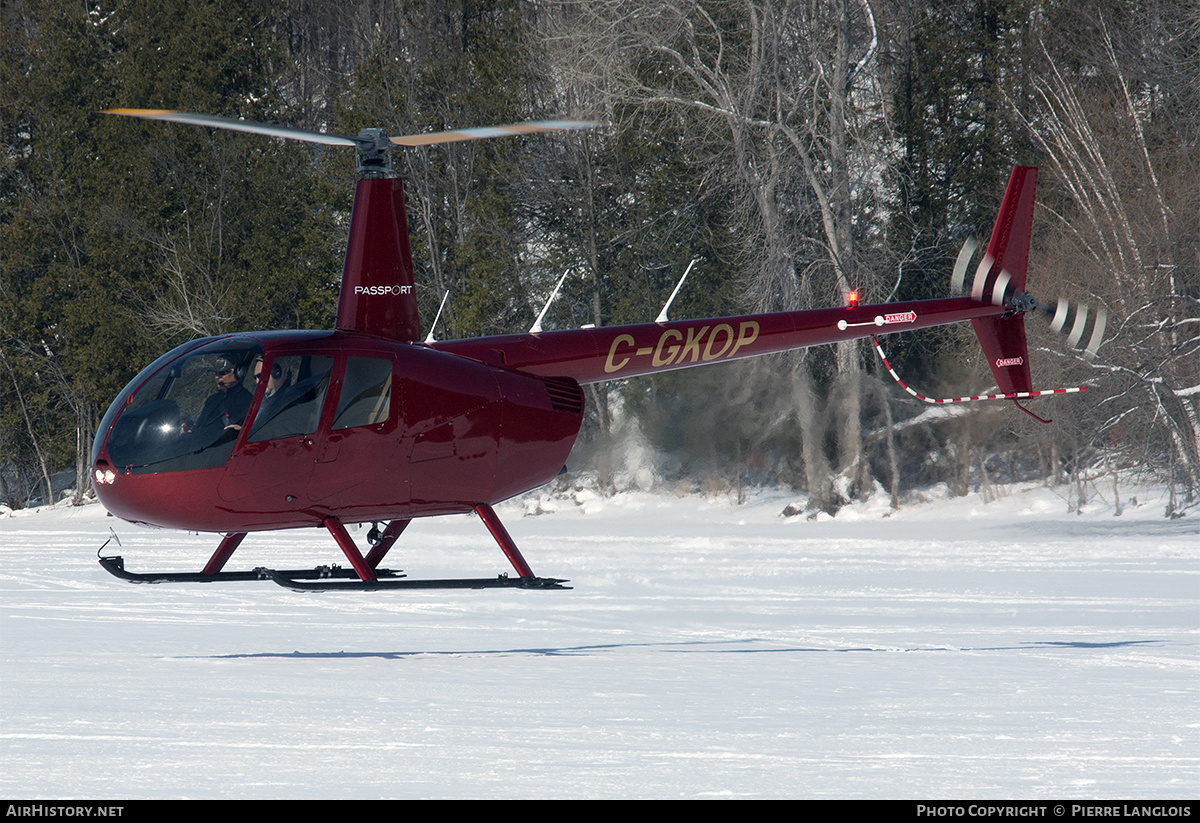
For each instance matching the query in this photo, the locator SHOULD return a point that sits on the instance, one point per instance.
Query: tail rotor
(1000, 281)
(998, 290)
(1083, 326)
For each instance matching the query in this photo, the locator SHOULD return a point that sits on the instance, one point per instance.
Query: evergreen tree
(121, 238)
(791, 150)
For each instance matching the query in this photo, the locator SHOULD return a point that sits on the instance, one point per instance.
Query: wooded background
(795, 150)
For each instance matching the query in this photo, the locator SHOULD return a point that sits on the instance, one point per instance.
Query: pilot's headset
(225, 364)
(276, 367)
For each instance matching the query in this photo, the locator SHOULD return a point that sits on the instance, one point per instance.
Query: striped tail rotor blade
(981, 275)
(1059, 320)
(959, 276)
(1078, 327)
(1098, 327)
(1000, 287)
(1083, 327)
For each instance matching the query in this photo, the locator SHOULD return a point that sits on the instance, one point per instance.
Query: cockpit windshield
(189, 413)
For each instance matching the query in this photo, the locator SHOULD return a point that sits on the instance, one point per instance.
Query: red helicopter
(369, 423)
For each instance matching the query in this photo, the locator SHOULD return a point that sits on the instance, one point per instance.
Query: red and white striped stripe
(940, 400)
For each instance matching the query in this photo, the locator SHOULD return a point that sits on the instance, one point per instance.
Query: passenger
(275, 380)
(225, 408)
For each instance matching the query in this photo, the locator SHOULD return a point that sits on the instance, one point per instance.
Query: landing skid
(329, 578)
(363, 576)
(500, 582)
(116, 567)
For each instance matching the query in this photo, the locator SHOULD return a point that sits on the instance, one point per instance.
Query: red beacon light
(852, 299)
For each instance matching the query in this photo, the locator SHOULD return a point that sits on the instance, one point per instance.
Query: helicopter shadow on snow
(692, 647)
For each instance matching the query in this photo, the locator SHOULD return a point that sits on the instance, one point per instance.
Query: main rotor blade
(483, 132)
(238, 125)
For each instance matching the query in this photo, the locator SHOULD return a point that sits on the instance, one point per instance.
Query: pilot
(225, 408)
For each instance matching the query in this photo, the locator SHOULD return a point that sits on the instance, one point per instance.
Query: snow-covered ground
(951, 650)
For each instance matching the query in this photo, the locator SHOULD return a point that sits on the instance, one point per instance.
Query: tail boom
(996, 309)
(616, 352)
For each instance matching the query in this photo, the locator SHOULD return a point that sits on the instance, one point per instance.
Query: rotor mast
(378, 295)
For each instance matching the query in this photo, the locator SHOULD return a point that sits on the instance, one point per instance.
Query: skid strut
(369, 580)
(489, 518)
(221, 556)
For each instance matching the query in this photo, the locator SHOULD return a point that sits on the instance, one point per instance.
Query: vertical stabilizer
(1008, 247)
(378, 296)
(1002, 274)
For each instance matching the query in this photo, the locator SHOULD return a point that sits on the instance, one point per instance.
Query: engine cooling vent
(565, 394)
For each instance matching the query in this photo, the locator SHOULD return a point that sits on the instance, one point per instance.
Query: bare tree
(1106, 115)
(785, 109)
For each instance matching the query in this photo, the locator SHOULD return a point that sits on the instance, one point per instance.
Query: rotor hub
(374, 154)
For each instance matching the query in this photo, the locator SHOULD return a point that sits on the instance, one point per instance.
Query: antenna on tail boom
(536, 328)
(437, 317)
(662, 315)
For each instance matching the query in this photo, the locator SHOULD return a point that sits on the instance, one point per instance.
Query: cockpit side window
(293, 396)
(366, 397)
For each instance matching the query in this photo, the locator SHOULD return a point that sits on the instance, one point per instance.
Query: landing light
(105, 476)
